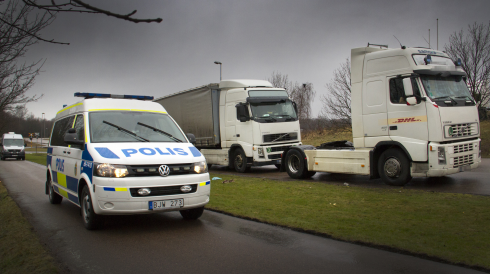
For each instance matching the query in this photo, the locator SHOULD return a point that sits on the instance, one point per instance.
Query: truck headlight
(441, 155)
(109, 170)
(199, 167)
(260, 151)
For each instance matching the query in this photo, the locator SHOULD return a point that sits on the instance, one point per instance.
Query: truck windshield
(267, 112)
(13, 142)
(133, 126)
(452, 87)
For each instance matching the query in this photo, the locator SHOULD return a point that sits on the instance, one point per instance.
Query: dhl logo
(415, 119)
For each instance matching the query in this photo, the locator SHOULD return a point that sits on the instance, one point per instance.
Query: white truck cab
(13, 146)
(119, 154)
(412, 116)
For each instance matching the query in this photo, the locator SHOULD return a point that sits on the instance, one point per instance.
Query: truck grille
(268, 138)
(463, 148)
(152, 170)
(163, 191)
(461, 130)
(13, 150)
(463, 160)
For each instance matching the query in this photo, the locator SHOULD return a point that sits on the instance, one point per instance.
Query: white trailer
(237, 123)
(412, 116)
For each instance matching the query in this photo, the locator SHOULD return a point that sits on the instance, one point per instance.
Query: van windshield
(133, 126)
(13, 142)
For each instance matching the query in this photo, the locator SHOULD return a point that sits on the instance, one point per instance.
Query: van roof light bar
(87, 95)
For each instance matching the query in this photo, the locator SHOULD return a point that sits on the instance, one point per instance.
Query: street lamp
(219, 63)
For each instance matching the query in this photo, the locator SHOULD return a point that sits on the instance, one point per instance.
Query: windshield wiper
(287, 116)
(126, 131)
(445, 97)
(465, 96)
(161, 131)
(267, 118)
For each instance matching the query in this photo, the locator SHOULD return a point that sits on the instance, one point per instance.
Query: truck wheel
(209, 166)
(192, 214)
(394, 167)
(240, 161)
(296, 165)
(91, 220)
(54, 197)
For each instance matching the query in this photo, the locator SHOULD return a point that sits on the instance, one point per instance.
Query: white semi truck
(237, 123)
(412, 116)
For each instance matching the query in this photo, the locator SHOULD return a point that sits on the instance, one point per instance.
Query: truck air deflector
(264, 99)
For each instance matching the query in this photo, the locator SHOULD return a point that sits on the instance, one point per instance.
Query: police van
(13, 146)
(120, 154)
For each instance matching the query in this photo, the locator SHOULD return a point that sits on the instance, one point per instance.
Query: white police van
(119, 154)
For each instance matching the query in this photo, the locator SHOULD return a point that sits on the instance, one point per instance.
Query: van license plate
(165, 204)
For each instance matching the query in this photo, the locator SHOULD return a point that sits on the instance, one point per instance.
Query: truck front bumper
(269, 154)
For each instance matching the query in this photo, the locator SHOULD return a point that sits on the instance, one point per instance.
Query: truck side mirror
(242, 112)
(407, 86)
(411, 101)
(191, 138)
(71, 137)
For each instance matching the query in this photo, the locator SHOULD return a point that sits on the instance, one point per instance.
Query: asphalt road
(165, 243)
(470, 182)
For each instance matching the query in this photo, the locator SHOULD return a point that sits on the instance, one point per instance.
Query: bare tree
(337, 102)
(303, 95)
(473, 47)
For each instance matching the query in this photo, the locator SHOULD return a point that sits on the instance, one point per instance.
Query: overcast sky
(305, 39)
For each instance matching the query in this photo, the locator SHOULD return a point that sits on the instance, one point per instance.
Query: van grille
(280, 137)
(152, 170)
(463, 160)
(463, 148)
(163, 191)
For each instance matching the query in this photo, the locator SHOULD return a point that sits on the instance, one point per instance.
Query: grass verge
(20, 249)
(39, 158)
(451, 227)
(485, 138)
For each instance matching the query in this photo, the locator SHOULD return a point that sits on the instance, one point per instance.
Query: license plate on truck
(165, 204)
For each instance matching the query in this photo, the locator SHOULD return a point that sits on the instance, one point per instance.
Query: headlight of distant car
(108, 170)
(200, 167)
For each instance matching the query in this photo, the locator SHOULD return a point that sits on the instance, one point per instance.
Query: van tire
(240, 161)
(394, 167)
(54, 198)
(91, 220)
(192, 214)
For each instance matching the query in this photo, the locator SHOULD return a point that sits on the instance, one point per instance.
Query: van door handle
(393, 127)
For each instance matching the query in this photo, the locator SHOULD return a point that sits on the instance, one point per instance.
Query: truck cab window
(397, 92)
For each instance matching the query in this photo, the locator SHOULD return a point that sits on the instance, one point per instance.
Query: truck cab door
(231, 121)
(407, 124)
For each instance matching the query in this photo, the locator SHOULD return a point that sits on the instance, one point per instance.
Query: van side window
(79, 126)
(397, 92)
(59, 130)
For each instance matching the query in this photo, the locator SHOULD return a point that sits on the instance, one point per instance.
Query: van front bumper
(116, 196)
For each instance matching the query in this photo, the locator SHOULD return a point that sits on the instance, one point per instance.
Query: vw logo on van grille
(186, 188)
(164, 170)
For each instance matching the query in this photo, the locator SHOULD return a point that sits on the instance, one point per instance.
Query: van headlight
(199, 167)
(109, 170)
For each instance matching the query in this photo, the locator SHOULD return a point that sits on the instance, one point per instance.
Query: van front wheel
(192, 214)
(91, 220)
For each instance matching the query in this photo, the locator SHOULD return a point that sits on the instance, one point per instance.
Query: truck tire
(192, 214)
(296, 165)
(54, 198)
(240, 161)
(394, 167)
(91, 220)
(209, 166)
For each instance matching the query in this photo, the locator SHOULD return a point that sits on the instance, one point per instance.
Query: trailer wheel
(296, 165)
(240, 161)
(394, 167)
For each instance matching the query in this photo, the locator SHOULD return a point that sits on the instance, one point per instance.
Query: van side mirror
(71, 137)
(411, 101)
(407, 86)
(191, 138)
(242, 112)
